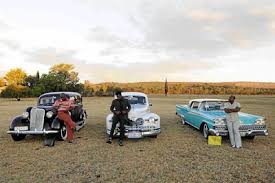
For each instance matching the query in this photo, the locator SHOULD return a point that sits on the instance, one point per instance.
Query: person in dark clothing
(120, 108)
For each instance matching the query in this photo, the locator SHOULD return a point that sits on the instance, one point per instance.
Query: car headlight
(260, 121)
(25, 115)
(219, 121)
(139, 121)
(49, 114)
(151, 120)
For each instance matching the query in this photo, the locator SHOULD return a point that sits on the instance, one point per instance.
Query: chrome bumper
(152, 132)
(243, 133)
(43, 132)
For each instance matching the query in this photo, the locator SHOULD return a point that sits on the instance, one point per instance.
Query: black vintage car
(43, 119)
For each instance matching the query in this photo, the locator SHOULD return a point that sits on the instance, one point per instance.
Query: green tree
(61, 77)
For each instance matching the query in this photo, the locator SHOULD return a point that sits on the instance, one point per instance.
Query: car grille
(37, 119)
(252, 127)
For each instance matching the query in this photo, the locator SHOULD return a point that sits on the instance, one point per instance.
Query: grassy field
(179, 154)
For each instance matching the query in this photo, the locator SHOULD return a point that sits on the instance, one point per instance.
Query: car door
(77, 109)
(194, 116)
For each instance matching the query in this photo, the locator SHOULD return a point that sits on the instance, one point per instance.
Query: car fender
(56, 124)
(17, 121)
(149, 115)
(210, 124)
(108, 123)
(29, 110)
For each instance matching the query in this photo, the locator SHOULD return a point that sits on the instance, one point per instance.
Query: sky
(141, 40)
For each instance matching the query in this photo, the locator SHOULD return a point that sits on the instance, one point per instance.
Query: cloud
(138, 39)
(208, 16)
(4, 26)
(208, 30)
(130, 72)
(11, 44)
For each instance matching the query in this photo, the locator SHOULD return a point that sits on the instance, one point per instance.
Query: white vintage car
(142, 123)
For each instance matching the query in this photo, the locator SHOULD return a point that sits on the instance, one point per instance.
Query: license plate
(21, 128)
(242, 134)
(134, 135)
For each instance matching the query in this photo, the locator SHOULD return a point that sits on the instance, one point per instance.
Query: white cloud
(141, 40)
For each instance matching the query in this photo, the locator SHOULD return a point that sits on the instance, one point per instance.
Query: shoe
(239, 147)
(120, 143)
(72, 142)
(109, 141)
(233, 146)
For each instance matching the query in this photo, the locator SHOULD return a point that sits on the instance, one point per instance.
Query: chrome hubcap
(63, 132)
(182, 120)
(205, 130)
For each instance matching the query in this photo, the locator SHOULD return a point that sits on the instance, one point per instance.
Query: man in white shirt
(232, 110)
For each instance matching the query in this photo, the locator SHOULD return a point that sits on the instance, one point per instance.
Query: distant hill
(250, 88)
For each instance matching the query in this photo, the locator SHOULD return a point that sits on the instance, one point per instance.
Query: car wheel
(18, 137)
(183, 120)
(205, 130)
(62, 134)
(154, 136)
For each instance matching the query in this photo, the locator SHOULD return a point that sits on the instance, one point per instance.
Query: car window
(195, 105)
(213, 105)
(133, 100)
(48, 100)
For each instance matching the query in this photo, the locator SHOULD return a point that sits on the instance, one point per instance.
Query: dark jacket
(120, 105)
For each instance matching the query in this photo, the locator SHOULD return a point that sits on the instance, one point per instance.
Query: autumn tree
(16, 76)
(2, 82)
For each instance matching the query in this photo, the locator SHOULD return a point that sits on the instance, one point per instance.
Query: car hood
(138, 111)
(244, 117)
(46, 108)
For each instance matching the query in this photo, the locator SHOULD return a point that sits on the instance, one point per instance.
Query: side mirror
(150, 104)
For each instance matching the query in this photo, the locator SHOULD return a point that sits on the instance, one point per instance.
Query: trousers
(121, 119)
(70, 125)
(234, 133)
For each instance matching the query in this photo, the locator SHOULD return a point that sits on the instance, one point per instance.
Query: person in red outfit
(63, 105)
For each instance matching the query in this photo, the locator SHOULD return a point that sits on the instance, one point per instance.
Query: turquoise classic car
(208, 116)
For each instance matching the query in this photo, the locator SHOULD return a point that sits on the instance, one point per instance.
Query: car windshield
(49, 100)
(213, 105)
(134, 100)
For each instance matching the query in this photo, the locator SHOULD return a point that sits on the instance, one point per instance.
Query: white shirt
(233, 116)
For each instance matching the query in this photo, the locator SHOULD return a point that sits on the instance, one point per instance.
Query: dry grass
(179, 154)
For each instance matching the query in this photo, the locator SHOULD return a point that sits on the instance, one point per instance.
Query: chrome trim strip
(33, 132)
(143, 134)
(195, 113)
(243, 133)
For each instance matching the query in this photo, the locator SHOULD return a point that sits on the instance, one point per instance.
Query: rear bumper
(242, 133)
(43, 132)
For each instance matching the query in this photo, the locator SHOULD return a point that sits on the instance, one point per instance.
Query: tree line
(63, 77)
